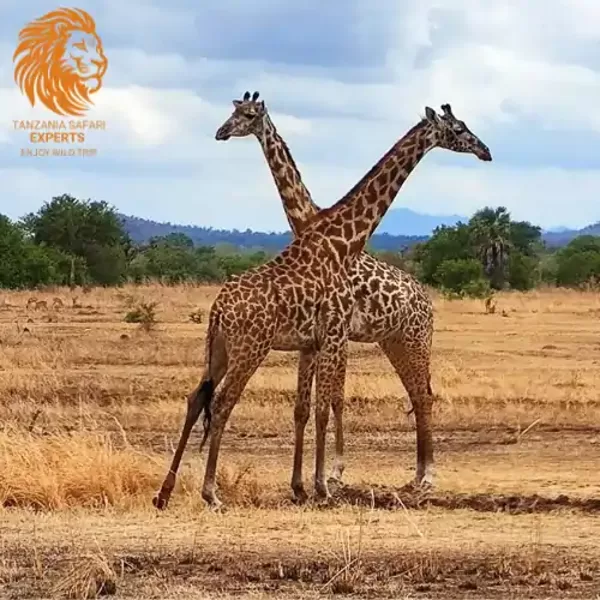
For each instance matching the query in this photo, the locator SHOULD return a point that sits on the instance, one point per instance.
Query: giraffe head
(453, 134)
(248, 118)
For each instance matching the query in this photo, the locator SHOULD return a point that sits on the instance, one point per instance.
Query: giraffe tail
(206, 390)
(206, 393)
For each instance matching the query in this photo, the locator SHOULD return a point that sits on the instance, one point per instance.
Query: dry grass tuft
(61, 471)
(240, 486)
(90, 576)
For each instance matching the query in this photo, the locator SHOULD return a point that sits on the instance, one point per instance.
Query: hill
(401, 228)
(141, 230)
(564, 236)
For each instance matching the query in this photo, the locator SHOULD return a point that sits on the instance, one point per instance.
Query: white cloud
(495, 63)
(240, 193)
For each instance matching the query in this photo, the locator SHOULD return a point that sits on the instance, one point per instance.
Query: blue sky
(342, 83)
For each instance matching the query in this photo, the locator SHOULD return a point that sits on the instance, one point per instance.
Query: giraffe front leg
(423, 407)
(337, 404)
(306, 372)
(322, 408)
(331, 377)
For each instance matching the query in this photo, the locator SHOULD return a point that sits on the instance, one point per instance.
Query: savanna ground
(91, 408)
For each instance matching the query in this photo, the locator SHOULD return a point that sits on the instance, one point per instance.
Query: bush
(578, 268)
(478, 288)
(144, 314)
(523, 271)
(462, 277)
(455, 272)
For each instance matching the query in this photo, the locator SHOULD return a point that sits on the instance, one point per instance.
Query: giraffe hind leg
(198, 401)
(412, 364)
(242, 366)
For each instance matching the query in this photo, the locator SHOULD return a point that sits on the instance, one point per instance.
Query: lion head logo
(60, 60)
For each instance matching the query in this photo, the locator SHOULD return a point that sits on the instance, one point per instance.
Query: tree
(446, 243)
(525, 237)
(579, 261)
(490, 230)
(88, 230)
(524, 272)
(25, 264)
(173, 240)
(462, 277)
(11, 251)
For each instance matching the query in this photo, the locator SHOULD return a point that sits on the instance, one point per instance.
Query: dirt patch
(518, 574)
(393, 498)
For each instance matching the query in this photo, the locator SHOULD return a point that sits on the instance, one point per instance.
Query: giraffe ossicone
(305, 298)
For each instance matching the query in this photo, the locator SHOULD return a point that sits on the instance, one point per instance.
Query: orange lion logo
(60, 60)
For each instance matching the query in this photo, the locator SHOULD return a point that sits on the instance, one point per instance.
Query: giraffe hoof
(334, 484)
(299, 496)
(217, 507)
(327, 502)
(160, 502)
(214, 504)
(424, 485)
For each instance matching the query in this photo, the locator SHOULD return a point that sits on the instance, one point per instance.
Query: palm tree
(490, 231)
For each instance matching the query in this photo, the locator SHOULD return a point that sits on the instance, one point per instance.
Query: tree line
(81, 242)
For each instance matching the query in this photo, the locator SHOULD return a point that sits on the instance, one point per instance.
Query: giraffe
(391, 308)
(303, 298)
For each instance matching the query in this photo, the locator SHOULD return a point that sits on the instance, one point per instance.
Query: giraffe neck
(297, 202)
(350, 222)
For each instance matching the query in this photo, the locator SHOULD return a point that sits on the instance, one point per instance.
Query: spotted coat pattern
(308, 297)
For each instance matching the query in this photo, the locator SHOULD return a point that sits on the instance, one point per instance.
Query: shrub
(460, 277)
(144, 314)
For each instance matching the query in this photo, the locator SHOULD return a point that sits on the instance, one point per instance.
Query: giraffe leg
(306, 372)
(411, 363)
(196, 401)
(337, 405)
(331, 377)
(242, 367)
(195, 404)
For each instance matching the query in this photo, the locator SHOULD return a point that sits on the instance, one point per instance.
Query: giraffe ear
(431, 115)
(262, 104)
(237, 103)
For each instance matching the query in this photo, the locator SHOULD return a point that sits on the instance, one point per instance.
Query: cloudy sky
(343, 81)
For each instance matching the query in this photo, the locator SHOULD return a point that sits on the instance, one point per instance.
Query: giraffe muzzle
(222, 134)
(484, 154)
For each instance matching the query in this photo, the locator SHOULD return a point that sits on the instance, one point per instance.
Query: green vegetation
(77, 242)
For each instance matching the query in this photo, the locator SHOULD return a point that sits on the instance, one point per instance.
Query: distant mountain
(141, 230)
(563, 236)
(400, 228)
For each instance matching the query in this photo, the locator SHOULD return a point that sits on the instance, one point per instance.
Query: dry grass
(91, 406)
